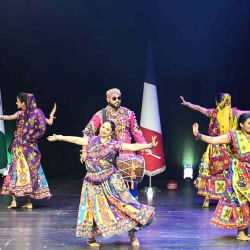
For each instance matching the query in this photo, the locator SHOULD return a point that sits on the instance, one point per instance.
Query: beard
(112, 105)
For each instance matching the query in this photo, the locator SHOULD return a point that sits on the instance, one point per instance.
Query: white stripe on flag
(150, 108)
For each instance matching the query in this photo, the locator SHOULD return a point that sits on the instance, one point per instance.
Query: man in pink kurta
(127, 127)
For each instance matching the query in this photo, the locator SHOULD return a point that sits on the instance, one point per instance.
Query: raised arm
(240, 112)
(139, 146)
(51, 118)
(222, 139)
(71, 139)
(192, 106)
(8, 117)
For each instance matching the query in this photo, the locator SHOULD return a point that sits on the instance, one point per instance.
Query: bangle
(198, 136)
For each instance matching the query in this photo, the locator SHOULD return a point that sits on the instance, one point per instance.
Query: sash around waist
(99, 177)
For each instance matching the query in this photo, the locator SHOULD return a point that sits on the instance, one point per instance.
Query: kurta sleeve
(18, 114)
(211, 113)
(93, 125)
(135, 129)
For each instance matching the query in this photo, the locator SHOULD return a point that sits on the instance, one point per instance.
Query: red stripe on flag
(153, 165)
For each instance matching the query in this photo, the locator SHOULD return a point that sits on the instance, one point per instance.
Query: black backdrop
(71, 52)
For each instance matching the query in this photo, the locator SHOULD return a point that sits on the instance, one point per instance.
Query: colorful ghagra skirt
(213, 171)
(26, 176)
(233, 209)
(107, 207)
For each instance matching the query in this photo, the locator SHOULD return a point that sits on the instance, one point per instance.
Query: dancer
(213, 169)
(233, 209)
(126, 125)
(26, 176)
(106, 206)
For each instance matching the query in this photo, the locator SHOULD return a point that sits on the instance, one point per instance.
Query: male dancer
(125, 121)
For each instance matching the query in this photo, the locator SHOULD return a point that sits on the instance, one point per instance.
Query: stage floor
(181, 223)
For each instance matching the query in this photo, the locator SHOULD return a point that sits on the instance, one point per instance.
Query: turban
(112, 92)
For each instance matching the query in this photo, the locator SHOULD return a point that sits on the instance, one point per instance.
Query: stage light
(188, 171)
(5, 171)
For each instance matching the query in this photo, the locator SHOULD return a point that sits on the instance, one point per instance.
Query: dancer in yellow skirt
(213, 169)
(106, 206)
(233, 209)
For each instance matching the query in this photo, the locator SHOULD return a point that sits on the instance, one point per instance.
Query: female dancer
(26, 176)
(213, 169)
(233, 209)
(106, 206)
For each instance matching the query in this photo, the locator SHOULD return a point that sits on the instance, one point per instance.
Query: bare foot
(92, 242)
(12, 205)
(245, 238)
(135, 242)
(206, 203)
(28, 206)
(242, 236)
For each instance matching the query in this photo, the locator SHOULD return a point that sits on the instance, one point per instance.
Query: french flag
(150, 120)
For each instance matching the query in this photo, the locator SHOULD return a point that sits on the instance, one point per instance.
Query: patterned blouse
(100, 161)
(125, 121)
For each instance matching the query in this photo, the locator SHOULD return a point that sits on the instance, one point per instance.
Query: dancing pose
(26, 176)
(233, 209)
(213, 169)
(52, 117)
(125, 121)
(106, 206)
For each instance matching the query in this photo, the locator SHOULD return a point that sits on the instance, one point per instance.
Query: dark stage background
(71, 52)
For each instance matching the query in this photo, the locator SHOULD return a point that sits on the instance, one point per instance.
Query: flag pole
(150, 190)
(150, 124)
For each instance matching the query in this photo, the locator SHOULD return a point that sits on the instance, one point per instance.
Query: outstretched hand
(195, 129)
(53, 138)
(183, 101)
(53, 111)
(154, 142)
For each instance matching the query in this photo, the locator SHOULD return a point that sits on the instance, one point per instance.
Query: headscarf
(34, 124)
(227, 121)
(30, 106)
